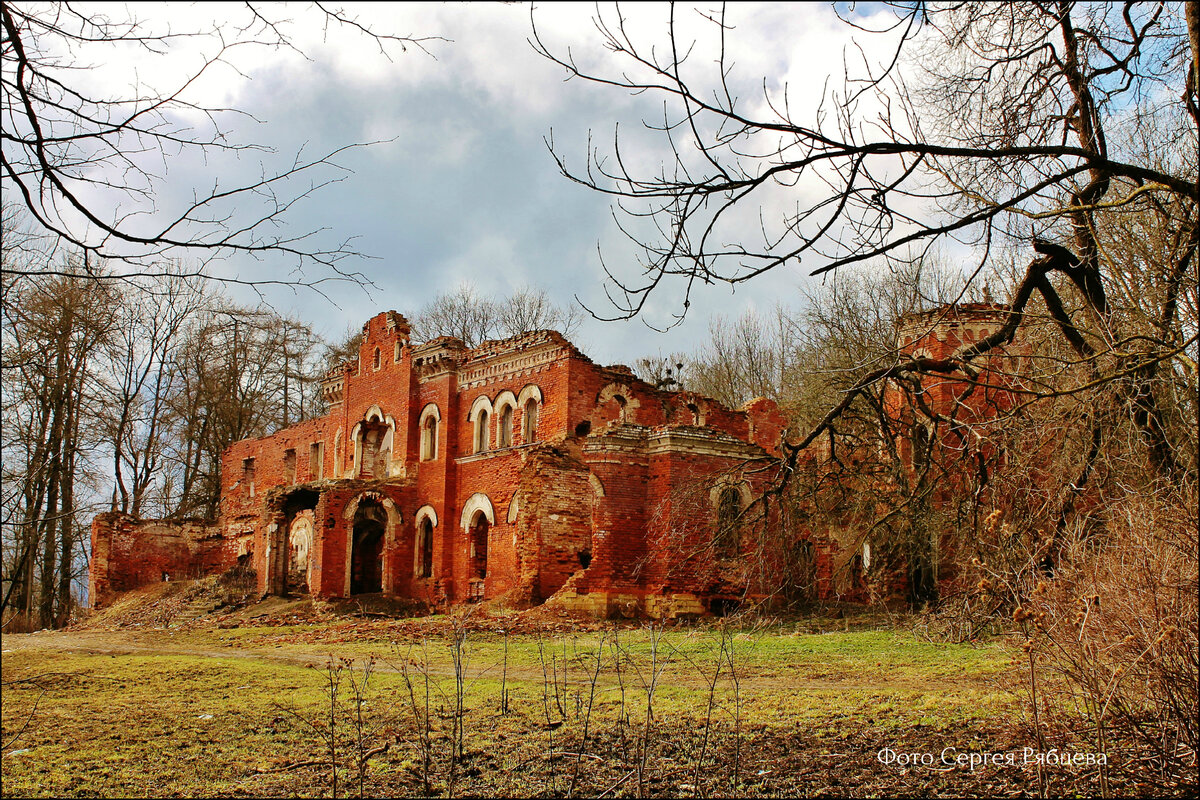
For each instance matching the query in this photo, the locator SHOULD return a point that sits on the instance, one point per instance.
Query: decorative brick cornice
(627, 438)
(513, 360)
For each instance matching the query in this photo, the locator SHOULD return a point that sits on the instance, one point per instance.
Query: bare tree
(462, 313)
(268, 364)
(752, 356)
(89, 163)
(138, 381)
(985, 121)
(52, 328)
(665, 372)
(467, 315)
(529, 309)
(1009, 101)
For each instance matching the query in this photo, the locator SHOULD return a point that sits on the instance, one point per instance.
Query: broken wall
(128, 553)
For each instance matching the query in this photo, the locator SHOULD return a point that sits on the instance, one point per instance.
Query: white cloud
(465, 190)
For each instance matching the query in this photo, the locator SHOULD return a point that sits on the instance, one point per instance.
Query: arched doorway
(300, 542)
(366, 548)
(292, 542)
(478, 517)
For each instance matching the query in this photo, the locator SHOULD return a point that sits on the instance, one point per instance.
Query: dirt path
(148, 643)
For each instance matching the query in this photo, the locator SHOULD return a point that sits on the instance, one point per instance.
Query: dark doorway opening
(922, 583)
(724, 606)
(425, 567)
(366, 554)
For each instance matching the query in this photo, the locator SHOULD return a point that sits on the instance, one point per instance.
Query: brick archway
(477, 520)
(355, 514)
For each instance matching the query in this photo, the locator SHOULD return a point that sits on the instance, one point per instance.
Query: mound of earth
(174, 604)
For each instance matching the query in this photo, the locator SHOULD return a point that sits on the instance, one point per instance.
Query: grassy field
(450, 708)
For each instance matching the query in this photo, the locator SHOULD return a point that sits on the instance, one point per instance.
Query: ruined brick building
(514, 472)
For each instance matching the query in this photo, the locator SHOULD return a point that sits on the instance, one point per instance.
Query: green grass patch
(229, 711)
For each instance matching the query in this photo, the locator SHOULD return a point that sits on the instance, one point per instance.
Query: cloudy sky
(460, 186)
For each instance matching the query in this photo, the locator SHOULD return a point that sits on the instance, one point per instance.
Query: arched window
(429, 438)
(529, 400)
(374, 445)
(425, 548)
(481, 431)
(479, 416)
(622, 396)
(375, 360)
(727, 538)
(506, 427)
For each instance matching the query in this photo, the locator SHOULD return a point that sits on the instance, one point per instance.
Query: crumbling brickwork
(517, 472)
(128, 553)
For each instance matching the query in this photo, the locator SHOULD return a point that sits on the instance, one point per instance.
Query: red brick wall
(555, 521)
(128, 553)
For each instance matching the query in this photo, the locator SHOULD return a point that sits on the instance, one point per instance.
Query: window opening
(529, 422)
(425, 548)
(506, 425)
(726, 541)
(479, 545)
(481, 431)
(316, 461)
(429, 439)
(289, 466)
(374, 455)
(248, 475)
